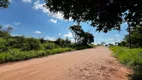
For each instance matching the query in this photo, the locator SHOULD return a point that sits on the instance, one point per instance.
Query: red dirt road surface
(89, 64)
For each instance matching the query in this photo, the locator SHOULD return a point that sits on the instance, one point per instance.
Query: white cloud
(53, 20)
(59, 34)
(72, 40)
(7, 25)
(50, 38)
(39, 6)
(17, 23)
(110, 39)
(26, 1)
(10, 0)
(117, 35)
(69, 35)
(38, 32)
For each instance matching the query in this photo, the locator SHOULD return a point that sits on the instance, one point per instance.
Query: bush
(59, 50)
(16, 42)
(62, 42)
(49, 45)
(2, 45)
(4, 34)
(25, 44)
(3, 48)
(31, 44)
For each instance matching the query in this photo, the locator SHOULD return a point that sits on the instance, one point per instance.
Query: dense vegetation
(131, 58)
(105, 15)
(135, 38)
(15, 48)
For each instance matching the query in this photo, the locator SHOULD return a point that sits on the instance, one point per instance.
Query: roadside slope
(90, 64)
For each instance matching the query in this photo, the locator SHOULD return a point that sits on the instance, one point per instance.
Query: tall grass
(17, 55)
(131, 58)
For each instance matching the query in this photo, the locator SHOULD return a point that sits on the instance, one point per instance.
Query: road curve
(89, 64)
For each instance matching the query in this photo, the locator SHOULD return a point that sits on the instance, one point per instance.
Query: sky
(31, 19)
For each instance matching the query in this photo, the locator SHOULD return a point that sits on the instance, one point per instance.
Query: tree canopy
(4, 3)
(80, 36)
(136, 37)
(103, 14)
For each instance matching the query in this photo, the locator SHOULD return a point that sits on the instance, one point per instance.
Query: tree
(103, 43)
(9, 29)
(42, 40)
(67, 41)
(4, 3)
(60, 42)
(76, 30)
(110, 44)
(80, 36)
(88, 38)
(123, 43)
(136, 37)
(103, 14)
(0, 27)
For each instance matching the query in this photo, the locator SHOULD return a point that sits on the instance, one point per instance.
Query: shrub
(2, 45)
(16, 42)
(49, 45)
(58, 50)
(62, 42)
(3, 48)
(25, 44)
(31, 44)
(42, 40)
(4, 34)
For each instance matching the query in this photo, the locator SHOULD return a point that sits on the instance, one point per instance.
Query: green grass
(17, 55)
(58, 50)
(131, 58)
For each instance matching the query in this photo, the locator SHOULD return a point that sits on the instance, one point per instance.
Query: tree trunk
(129, 27)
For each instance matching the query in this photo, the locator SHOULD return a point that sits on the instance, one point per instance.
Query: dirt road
(89, 64)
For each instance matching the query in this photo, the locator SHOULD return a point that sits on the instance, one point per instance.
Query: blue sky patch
(31, 19)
